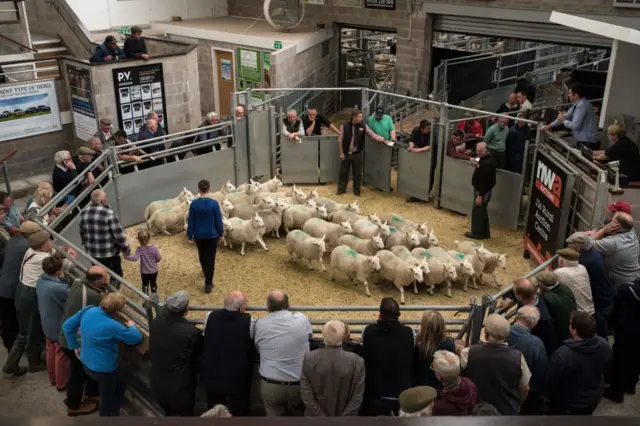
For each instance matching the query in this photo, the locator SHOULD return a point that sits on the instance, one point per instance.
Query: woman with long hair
(431, 337)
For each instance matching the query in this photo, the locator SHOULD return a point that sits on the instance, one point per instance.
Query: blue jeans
(112, 387)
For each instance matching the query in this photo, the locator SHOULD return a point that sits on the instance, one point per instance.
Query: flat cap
(84, 150)
(415, 399)
(28, 227)
(579, 238)
(136, 29)
(37, 239)
(106, 121)
(547, 278)
(569, 254)
(178, 301)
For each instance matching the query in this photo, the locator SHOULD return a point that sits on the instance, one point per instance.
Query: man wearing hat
(176, 347)
(382, 125)
(83, 160)
(104, 134)
(575, 276)
(601, 286)
(612, 209)
(417, 402)
(560, 302)
(14, 252)
(107, 51)
(135, 46)
(620, 249)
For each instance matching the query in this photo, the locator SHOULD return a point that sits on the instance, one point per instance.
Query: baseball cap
(379, 112)
(619, 206)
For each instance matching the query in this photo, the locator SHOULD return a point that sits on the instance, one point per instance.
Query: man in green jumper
(382, 125)
(496, 139)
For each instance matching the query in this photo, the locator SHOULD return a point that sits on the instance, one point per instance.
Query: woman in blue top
(431, 337)
(98, 347)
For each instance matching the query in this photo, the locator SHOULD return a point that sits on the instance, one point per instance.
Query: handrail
(458, 308)
(73, 22)
(541, 267)
(570, 149)
(18, 43)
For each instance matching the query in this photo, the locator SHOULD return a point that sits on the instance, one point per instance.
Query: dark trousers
(9, 327)
(501, 158)
(372, 407)
(563, 411)
(79, 383)
(113, 263)
(31, 336)
(353, 162)
(176, 405)
(480, 217)
(624, 366)
(533, 405)
(112, 387)
(603, 309)
(149, 280)
(207, 248)
(238, 404)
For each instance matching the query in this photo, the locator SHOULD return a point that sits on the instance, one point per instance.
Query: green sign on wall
(125, 31)
(277, 45)
(249, 70)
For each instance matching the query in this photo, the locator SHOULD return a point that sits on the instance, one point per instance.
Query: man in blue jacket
(205, 227)
(107, 51)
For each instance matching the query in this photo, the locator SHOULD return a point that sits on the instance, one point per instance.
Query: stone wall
(159, 46)
(289, 69)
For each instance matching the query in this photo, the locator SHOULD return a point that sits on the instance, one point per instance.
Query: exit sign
(277, 44)
(125, 31)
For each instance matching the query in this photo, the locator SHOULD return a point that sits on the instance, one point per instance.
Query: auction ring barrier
(377, 164)
(311, 160)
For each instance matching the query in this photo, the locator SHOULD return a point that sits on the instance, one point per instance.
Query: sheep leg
(448, 282)
(292, 257)
(310, 264)
(242, 249)
(431, 289)
(332, 274)
(415, 287)
(401, 295)
(166, 232)
(230, 245)
(477, 279)
(322, 264)
(366, 288)
(466, 284)
(262, 244)
(277, 232)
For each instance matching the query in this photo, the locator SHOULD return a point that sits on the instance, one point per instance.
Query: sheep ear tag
(459, 256)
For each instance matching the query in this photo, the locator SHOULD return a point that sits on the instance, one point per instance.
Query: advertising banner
(84, 113)
(139, 90)
(380, 4)
(28, 109)
(546, 229)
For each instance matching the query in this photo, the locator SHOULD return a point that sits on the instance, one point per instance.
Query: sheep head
(502, 261)
(451, 271)
(257, 222)
(269, 202)
(378, 243)
(433, 240)
(313, 194)
(374, 218)
(322, 212)
(227, 206)
(310, 203)
(374, 262)
(299, 196)
(466, 269)
(417, 274)
(227, 225)
(229, 187)
(354, 207)
(319, 242)
(282, 205)
(277, 181)
(413, 239)
(423, 228)
(384, 229)
(186, 195)
(424, 265)
(347, 227)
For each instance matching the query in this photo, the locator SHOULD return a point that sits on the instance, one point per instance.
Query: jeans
(353, 162)
(9, 327)
(114, 263)
(149, 280)
(112, 387)
(207, 248)
(79, 383)
(238, 404)
(480, 217)
(57, 365)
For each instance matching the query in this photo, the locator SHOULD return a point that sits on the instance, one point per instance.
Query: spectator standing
(624, 321)
(82, 390)
(510, 107)
(601, 287)
(211, 120)
(120, 140)
(516, 144)
(239, 112)
(292, 128)
(521, 338)
(524, 85)
(580, 119)
(496, 140)
(348, 344)
(104, 134)
(575, 374)
(523, 101)
(102, 234)
(417, 402)
(431, 337)
(472, 128)
(229, 354)
(420, 138)
(382, 125)
(621, 149)
(52, 292)
(559, 300)
(508, 384)
(312, 122)
(83, 161)
(576, 277)
(558, 92)
(388, 352)
(108, 51)
(149, 130)
(483, 181)
(526, 294)
(12, 217)
(176, 349)
(64, 173)
(456, 146)
(205, 227)
(100, 334)
(332, 380)
(14, 253)
(149, 257)
(351, 144)
(458, 395)
(618, 243)
(282, 339)
(135, 46)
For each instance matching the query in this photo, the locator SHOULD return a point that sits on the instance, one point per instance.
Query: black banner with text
(380, 4)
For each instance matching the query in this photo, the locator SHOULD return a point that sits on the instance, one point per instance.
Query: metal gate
(299, 161)
(260, 129)
(329, 159)
(377, 164)
(414, 173)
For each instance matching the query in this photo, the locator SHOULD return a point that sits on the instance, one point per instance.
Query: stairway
(47, 47)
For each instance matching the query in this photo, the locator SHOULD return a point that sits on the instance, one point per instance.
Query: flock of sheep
(364, 248)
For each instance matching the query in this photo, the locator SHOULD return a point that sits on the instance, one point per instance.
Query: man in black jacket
(388, 349)
(176, 348)
(483, 181)
(135, 46)
(526, 294)
(229, 354)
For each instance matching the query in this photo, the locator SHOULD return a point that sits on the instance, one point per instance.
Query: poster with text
(249, 71)
(139, 90)
(28, 109)
(85, 123)
(547, 221)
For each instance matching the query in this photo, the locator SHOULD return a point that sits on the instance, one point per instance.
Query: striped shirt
(149, 257)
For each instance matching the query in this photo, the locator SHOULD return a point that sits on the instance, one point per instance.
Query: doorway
(224, 80)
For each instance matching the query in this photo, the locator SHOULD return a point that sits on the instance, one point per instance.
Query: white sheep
(226, 188)
(304, 246)
(494, 261)
(273, 218)
(248, 196)
(184, 195)
(394, 219)
(169, 221)
(357, 267)
(440, 271)
(396, 237)
(333, 206)
(246, 211)
(368, 247)
(246, 231)
(405, 254)
(477, 260)
(272, 185)
(427, 240)
(227, 227)
(464, 269)
(366, 228)
(345, 216)
(332, 231)
(295, 216)
(393, 269)
(252, 186)
(225, 208)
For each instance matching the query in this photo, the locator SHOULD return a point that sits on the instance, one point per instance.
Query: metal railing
(73, 22)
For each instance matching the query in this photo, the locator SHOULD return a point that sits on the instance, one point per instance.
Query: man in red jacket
(458, 395)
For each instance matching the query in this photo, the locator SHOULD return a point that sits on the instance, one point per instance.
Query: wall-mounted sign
(28, 109)
(139, 90)
(225, 70)
(380, 4)
(84, 113)
(277, 45)
(348, 3)
(249, 71)
(549, 207)
(125, 31)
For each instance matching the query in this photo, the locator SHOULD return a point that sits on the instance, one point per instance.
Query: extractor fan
(283, 14)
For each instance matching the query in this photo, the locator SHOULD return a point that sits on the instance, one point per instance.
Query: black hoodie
(575, 375)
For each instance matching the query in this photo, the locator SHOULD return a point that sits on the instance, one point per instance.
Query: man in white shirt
(576, 277)
(525, 105)
(282, 339)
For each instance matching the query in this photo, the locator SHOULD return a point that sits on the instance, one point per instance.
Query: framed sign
(380, 4)
(28, 109)
(348, 3)
(139, 90)
(85, 123)
(250, 71)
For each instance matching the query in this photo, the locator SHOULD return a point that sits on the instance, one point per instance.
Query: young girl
(149, 256)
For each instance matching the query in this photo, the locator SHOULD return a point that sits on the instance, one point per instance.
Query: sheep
(494, 261)
(295, 216)
(246, 231)
(409, 239)
(298, 197)
(345, 216)
(392, 268)
(227, 227)
(427, 240)
(366, 228)
(169, 219)
(440, 271)
(368, 247)
(405, 254)
(464, 269)
(252, 185)
(332, 231)
(225, 208)
(245, 211)
(358, 267)
(185, 195)
(272, 185)
(273, 218)
(403, 224)
(248, 196)
(224, 190)
(477, 260)
(333, 206)
(304, 246)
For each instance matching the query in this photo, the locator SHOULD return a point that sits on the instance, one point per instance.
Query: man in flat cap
(601, 286)
(417, 402)
(135, 46)
(176, 349)
(575, 276)
(560, 302)
(82, 161)
(104, 134)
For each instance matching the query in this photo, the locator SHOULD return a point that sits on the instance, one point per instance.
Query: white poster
(28, 109)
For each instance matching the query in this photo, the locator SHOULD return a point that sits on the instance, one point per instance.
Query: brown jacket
(332, 382)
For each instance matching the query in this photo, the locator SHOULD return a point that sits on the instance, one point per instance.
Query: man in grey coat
(332, 380)
(618, 244)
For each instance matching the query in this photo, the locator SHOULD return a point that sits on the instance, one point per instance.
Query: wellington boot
(12, 365)
(35, 364)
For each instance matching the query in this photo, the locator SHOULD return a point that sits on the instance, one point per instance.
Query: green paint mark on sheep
(397, 219)
(426, 255)
(459, 256)
(393, 229)
(298, 234)
(351, 253)
(165, 210)
(404, 254)
(370, 224)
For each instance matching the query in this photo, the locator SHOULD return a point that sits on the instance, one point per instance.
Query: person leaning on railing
(292, 128)
(11, 216)
(312, 122)
(120, 140)
(108, 51)
(64, 172)
(623, 150)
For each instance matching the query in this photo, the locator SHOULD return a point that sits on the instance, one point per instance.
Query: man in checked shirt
(101, 233)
